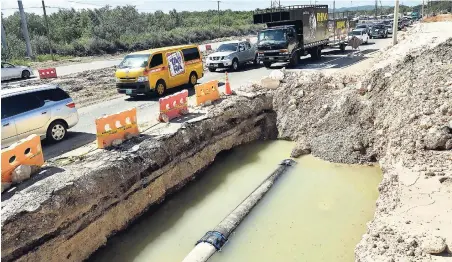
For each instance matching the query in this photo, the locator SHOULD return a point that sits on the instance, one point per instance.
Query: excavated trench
(398, 114)
(85, 202)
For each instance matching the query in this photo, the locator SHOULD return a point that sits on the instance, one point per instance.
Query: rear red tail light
(71, 105)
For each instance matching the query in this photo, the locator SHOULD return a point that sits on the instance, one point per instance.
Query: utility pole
(47, 28)
(218, 2)
(395, 26)
(376, 9)
(25, 28)
(4, 44)
(422, 10)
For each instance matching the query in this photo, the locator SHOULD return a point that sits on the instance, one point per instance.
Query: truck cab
(276, 44)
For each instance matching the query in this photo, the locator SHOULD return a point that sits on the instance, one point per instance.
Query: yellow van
(156, 70)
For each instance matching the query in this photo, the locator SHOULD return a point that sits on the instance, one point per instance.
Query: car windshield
(361, 26)
(230, 47)
(135, 61)
(272, 35)
(379, 26)
(356, 32)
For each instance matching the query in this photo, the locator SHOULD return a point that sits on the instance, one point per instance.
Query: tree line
(109, 30)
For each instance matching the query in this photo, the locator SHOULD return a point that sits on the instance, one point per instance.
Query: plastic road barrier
(207, 92)
(47, 73)
(116, 126)
(27, 151)
(173, 106)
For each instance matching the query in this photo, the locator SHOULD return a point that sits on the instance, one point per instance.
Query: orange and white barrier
(173, 106)
(47, 73)
(116, 126)
(27, 151)
(207, 92)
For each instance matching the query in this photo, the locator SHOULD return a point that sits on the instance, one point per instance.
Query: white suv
(46, 110)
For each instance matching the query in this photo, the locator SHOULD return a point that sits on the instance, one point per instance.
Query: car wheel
(57, 131)
(25, 74)
(212, 69)
(235, 64)
(256, 60)
(160, 88)
(193, 79)
(267, 64)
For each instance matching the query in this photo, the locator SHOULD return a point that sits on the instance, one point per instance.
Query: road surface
(147, 108)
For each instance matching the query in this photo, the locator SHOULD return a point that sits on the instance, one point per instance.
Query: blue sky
(10, 6)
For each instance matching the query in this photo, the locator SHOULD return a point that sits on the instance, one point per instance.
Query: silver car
(46, 110)
(232, 55)
(10, 71)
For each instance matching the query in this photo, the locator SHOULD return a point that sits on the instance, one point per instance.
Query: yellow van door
(157, 71)
(176, 68)
(193, 63)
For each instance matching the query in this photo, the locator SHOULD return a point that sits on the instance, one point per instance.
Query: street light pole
(395, 26)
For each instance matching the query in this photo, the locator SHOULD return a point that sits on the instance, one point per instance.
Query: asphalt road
(84, 131)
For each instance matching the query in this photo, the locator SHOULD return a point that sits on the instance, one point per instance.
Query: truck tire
(295, 59)
(316, 53)
(342, 47)
(267, 64)
(212, 69)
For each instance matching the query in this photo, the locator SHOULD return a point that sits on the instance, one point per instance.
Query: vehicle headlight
(142, 79)
(283, 52)
(228, 57)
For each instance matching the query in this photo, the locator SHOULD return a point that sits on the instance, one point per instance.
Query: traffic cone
(228, 90)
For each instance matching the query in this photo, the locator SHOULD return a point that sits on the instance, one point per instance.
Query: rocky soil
(399, 114)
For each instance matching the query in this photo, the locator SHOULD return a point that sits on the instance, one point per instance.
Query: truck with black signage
(339, 27)
(291, 32)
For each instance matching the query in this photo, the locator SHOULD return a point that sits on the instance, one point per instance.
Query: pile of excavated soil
(399, 114)
(85, 88)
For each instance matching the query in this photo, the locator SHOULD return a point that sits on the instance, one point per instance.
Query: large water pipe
(214, 240)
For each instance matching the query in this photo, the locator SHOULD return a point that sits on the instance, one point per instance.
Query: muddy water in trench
(316, 212)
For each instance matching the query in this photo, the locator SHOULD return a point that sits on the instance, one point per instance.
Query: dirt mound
(400, 114)
(438, 18)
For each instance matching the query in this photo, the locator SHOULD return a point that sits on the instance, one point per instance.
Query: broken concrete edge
(80, 204)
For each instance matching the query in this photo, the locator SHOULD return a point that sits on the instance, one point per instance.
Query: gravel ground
(85, 88)
(399, 114)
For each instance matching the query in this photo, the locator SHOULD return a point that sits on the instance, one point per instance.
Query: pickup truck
(232, 55)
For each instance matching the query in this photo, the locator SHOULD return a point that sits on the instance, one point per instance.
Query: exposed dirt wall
(399, 114)
(67, 216)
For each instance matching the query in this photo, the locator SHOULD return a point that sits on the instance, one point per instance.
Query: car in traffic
(156, 70)
(360, 34)
(366, 28)
(232, 55)
(10, 71)
(389, 28)
(379, 31)
(47, 111)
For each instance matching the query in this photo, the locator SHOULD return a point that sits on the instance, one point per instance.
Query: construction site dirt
(398, 113)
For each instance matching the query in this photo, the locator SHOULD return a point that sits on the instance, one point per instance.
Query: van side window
(20, 104)
(190, 54)
(247, 45)
(52, 95)
(156, 60)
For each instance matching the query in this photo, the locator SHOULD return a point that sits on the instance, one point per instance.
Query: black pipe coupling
(214, 238)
